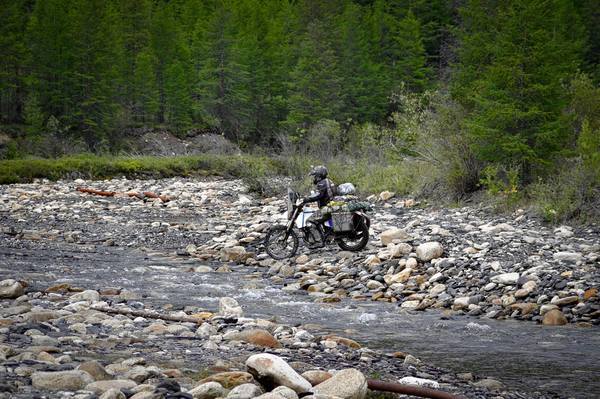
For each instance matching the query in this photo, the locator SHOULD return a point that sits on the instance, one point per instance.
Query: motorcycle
(349, 229)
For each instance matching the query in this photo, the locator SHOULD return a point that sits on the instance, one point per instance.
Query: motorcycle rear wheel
(277, 247)
(357, 241)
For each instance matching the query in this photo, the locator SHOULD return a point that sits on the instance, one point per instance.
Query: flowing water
(526, 356)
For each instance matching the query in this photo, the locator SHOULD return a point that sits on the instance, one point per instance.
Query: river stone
(388, 236)
(11, 289)
(411, 360)
(87, 296)
(461, 302)
(386, 195)
(315, 377)
(546, 308)
(400, 250)
(350, 343)
(229, 379)
(95, 369)
(489, 383)
(401, 277)
(429, 250)
(411, 263)
(506, 278)
(71, 380)
(256, 337)
(422, 382)
(590, 293)
(113, 393)
(285, 392)
(495, 229)
(568, 257)
(569, 300)
(410, 304)
(437, 289)
(346, 384)
(100, 387)
(229, 307)
(234, 254)
(208, 390)
(265, 366)
(554, 317)
(525, 308)
(269, 395)
(245, 391)
(151, 395)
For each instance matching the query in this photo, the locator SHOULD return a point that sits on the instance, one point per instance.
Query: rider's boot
(314, 236)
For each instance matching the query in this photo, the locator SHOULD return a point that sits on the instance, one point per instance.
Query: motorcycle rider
(325, 191)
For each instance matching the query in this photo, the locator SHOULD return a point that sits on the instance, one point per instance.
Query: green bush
(572, 193)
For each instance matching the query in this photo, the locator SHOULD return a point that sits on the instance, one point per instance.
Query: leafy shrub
(572, 193)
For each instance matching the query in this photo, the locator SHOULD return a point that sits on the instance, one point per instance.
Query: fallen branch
(141, 195)
(413, 390)
(96, 192)
(149, 194)
(149, 315)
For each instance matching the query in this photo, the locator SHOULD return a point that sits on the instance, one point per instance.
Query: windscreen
(291, 198)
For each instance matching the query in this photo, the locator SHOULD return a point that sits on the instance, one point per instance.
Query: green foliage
(571, 193)
(144, 98)
(512, 76)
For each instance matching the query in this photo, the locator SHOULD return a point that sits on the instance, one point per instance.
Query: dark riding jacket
(325, 193)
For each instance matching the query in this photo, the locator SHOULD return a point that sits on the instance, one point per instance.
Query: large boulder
(245, 391)
(87, 296)
(71, 380)
(99, 387)
(95, 369)
(430, 250)
(229, 307)
(506, 278)
(234, 254)
(208, 390)
(229, 379)
(10, 289)
(388, 236)
(346, 384)
(274, 370)
(256, 337)
(554, 317)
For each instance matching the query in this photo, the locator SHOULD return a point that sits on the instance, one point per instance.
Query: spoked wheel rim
(277, 246)
(357, 241)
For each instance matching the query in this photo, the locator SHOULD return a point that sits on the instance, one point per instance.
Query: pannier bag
(342, 222)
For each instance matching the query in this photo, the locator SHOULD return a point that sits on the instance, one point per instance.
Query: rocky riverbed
(72, 255)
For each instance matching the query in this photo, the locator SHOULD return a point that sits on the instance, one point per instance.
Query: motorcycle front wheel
(277, 246)
(357, 241)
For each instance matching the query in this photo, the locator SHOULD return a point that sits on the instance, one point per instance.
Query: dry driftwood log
(141, 195)
(96, 192)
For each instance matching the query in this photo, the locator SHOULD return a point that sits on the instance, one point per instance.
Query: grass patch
(257, 171)
(103, 167)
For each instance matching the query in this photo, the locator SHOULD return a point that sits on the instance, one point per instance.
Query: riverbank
(215, 227)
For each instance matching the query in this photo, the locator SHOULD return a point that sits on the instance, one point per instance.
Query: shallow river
(523, 355)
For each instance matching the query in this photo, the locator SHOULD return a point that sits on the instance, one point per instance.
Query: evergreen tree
(169, 47)
(177, 97)
(50, 39)
(94, 70)
(13, 20)
(315, 85)
(358, 74)
(134, 33)
(517, 94)
(221, 85)
(410, 66)
(144, 98)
